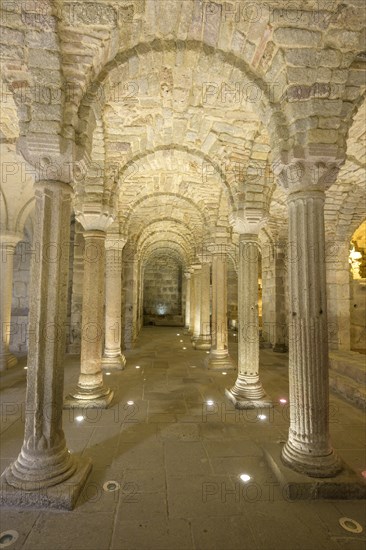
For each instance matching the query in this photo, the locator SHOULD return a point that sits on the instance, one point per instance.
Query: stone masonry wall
(163, 287)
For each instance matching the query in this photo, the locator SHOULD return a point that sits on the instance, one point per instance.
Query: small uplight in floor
(283, 400)
(224, 373)
(130, 402)
(180, 340)
(245, 478)
(262, 416)
(7, 538)
(234, 334)
(107, 373)
(207, 352)
(25, 368)
(210, 403)
(178, 333)
(137, 367)
(79, 418)
(184, 348)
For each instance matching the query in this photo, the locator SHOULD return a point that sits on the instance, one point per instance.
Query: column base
(217, 362)
(310, 465)
(114, 363)
(60, 497)
(7, 361)
(241, 402)
(89, 399)
(203, 343)
(280, 348)
(347, 485)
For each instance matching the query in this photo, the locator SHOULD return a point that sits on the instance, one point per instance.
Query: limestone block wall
(20, 300)
(163, 288)
(358, 314)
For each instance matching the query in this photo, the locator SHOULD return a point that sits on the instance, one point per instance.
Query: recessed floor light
(178, 333)
(210, 402)
(25, 368)
(262, 416)
(180, 340)
(184, 348)
(224, 373)
(245, 477)
(8, 537)
(130, 402)
(207, 352)
(350, 525)
(79, 418)
(282, 400)
(111, 486)
(138, 367)
(107, 373)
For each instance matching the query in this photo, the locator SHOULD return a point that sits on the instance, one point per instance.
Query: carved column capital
(248, 221)
(307, 174)
(93, 216)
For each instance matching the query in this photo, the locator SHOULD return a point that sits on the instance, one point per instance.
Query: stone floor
(178, 460)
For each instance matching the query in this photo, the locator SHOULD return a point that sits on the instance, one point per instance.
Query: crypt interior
(183, 275)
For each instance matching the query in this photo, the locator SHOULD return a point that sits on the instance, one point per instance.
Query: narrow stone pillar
(197, 302)
(248, 391)
(204, 340)
(187, 316)
(192, 302)
(8, 242)
(74, 346)
(280, 327)
(113, 357)
(219, 357)
(45, 474)
(91, 390)
(308, 449)
(131, 328)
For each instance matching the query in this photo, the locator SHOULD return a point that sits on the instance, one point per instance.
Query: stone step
(351, 390)
(350, 364)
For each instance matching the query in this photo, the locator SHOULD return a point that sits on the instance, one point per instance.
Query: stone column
(308, 449)
(45, 474)
(113, 357)
(197, 302)
(192, 302)
(91, 390)
(74, 346)
(131, 302)
(248, 391)
(219, 357)
(280, 332)
(204, 340)
(8, 242)
(187, 317)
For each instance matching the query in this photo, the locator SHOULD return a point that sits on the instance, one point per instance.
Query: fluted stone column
(45, 474)
(248, 391)
(280, 328)
(91, 390)
(219, 357)
(8, 242)
(197, 302)
(187, 315)
(308, 449)
(113, 357)
(204, 340)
